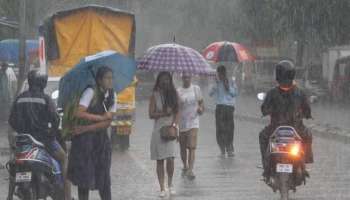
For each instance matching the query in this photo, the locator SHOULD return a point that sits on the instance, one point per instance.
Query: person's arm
(101, 124)
(15, 119)
(200, 107)
(306, 108)
(199, 98)
(53, 116)
(176, 117)
(232, 90)
(82, 113)
(266, 107)
(213, 91)
(84, 103)
(152, 111)
(93, 127)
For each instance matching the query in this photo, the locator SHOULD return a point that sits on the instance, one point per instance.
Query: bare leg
(170, 171)
(191, 158)
(183, 152)
(160, 174)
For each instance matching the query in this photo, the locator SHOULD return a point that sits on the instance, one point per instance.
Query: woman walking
(191, 106)
(224, 93)
(90, 155)
(164, 110)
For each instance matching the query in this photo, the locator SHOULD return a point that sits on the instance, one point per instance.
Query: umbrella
(83, 74)
(175, 58)
(9, 49)
(227, 52)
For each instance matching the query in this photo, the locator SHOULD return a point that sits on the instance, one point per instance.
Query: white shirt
(87, 96)
(189, 98)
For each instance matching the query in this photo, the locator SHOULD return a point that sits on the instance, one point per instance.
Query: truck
(69, 35)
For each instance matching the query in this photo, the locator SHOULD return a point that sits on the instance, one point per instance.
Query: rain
(185, 99)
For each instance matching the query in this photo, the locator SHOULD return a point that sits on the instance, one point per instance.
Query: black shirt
(286, 107)
(33, 112)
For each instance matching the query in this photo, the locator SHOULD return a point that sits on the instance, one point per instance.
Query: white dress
(161, 149)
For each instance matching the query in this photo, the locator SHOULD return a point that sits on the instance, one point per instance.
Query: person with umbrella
(224, 93)
(87, 96)
(164, 102)
(164, 110)
(90, 155)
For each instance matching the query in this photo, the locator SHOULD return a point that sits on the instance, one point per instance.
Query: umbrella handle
(104, 106)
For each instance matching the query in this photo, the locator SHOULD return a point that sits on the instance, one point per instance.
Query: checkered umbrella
(175, 58)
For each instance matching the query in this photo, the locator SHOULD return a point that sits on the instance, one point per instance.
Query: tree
(309, 22)
(8, 10)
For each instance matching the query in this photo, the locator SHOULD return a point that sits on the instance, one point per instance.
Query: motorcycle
(34, 174)
(285, 160)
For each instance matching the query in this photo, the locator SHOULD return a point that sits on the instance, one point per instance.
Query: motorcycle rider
(33, 112)
(286, 105)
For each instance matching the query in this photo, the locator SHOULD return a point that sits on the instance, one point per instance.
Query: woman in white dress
(164, 110)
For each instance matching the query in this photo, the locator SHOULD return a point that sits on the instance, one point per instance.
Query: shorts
(189, 138)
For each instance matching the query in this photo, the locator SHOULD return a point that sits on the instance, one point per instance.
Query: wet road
(229, 178)
(134, 177)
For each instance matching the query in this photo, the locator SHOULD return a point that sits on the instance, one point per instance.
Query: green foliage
(324, 21)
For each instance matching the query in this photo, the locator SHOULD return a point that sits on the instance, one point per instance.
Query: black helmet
(37, 80)
(285, 72)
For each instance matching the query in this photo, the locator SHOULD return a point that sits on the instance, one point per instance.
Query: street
(134, 176)
(100, 61)
(236, 178)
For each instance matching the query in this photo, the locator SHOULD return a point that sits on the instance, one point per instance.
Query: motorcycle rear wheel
(284, 185)
(30, 193)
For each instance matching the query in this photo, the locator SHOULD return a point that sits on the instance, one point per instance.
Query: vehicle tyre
(30, 193)
(284, 185)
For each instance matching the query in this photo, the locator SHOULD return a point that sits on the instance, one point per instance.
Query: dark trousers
(224, 118)
(105, 193)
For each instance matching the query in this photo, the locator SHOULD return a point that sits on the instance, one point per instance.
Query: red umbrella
(227, 52)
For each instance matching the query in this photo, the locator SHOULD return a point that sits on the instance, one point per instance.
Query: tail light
(20, 157)
(295, 149)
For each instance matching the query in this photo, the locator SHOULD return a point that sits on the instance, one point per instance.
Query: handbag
(168, 133)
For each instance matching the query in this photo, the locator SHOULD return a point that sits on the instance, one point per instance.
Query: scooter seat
(31, 138)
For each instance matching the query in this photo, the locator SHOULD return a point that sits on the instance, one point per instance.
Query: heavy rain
(165, 99)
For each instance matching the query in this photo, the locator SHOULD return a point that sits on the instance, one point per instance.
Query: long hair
(168, 95)
(101, 72)
(221, 70)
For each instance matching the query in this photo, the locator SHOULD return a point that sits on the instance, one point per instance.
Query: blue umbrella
(83, 74)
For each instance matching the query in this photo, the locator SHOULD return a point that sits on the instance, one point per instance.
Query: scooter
(34, 174)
